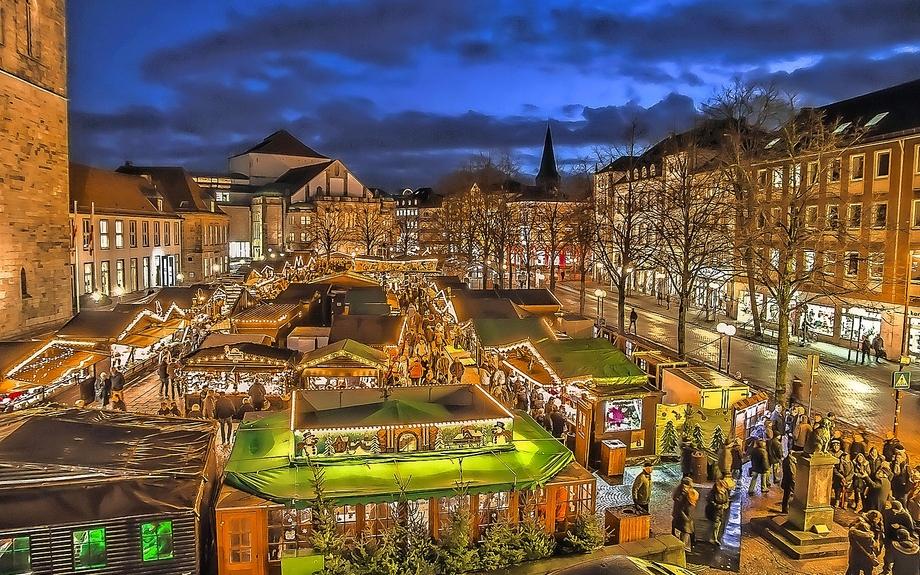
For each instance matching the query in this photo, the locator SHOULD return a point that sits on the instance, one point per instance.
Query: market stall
(43, 371)
(343, 364)
(235, 369)
(273, 320)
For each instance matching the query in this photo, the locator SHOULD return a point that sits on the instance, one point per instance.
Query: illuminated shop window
(156, 541)
(89, 548)
(15, 558)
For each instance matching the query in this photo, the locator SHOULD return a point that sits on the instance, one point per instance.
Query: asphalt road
(857, 394)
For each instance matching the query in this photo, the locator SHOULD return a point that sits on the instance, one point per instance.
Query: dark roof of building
(175, 184)
(898, 103)
(527, 297)
(472, 304)
(110, 192)
(300, 293)
(296, 178)
(69, 465)
(371, 330)
(283, 144)
(92, 324)
(183, 296)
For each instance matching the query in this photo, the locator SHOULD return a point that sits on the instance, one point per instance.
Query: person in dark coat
(642, 489)
(895, 518)
(724, 461)
(788, 480)
(686, 457)
(558, 421)
(174, 409)
(224, 412)
(878, 344)
(878, 490)
(905, 554)
(842, 480)
(257, 395)
(118, 379)
(245, 408)
(760, 465)
(866, 349)
(163, 375)
(682, 523)
(633, 318)
(863, 552)
(717, 503)
(775, 455)
(737, 459)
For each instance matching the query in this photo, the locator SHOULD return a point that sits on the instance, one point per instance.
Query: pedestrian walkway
(857, 394)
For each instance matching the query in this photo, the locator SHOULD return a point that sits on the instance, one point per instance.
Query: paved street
(857, 394)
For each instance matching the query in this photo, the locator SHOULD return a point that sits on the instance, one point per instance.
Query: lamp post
(729, 330)
(600, 295)
(859, 313)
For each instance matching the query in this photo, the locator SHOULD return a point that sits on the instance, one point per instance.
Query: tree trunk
(682, 306)
(752, 296)
(784, 296)
(621, 304)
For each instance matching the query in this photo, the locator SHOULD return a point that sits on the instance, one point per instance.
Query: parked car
(622, 565)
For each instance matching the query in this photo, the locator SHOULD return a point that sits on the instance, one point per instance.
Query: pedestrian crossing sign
(900, 380)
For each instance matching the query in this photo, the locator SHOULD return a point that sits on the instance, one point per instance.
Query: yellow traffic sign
(900, 380)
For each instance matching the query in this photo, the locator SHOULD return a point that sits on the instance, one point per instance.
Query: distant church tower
(35, 232)
(548, 178)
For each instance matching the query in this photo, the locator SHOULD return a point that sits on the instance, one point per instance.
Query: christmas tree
(329, 450)
(697, 436)
(375, 444)
(438, 440)
(718, 439)
(668, 438)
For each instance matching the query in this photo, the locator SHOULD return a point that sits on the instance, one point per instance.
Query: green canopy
(590, 358)
(397, 410)
(260, 465)
(499, 332)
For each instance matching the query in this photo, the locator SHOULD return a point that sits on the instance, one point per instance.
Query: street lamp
(729, 330)
(600, 295)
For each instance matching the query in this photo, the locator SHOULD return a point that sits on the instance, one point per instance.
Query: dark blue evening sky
(403, 91)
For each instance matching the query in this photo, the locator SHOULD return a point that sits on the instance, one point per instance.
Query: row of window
(215, 235)
(852, 262)
(89, 548)
(774, 176)
(161, 236)
(161, 274)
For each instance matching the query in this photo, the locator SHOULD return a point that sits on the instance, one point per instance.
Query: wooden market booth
(438, 436)
(343, 364)
(35, 372)
(233, 369)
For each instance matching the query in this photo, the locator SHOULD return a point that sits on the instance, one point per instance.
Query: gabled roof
(282, 143)
(177, 185)
(296, 178)
(530, 297)
(110, 192)
(372, 330)
(346, 348)
(91, 324)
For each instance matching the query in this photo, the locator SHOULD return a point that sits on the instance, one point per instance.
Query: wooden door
(241, 546)
(584, 419)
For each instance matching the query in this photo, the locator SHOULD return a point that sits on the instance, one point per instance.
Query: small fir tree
(587, 533)
(455, 555)
(536, 543)
(697, 436)
(501, 547)
(375, 445)
(326, 541)
(717, 440)
(668, 440)
(438, 440)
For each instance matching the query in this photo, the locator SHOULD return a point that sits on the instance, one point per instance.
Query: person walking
(163, 375)
(224, 412)
(102, 388)
(209, 403)
(760, 465)
(878, 344)
(788, 480)
(775, 456)
(717, 503)
(117, 378)
(866, 349)
(633, 318)
(682, 523)
(642, 489)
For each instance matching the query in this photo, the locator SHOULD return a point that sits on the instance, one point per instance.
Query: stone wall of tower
(35, 231)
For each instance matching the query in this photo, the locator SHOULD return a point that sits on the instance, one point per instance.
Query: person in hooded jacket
(905, 554)
(863, 553)
(682, 522)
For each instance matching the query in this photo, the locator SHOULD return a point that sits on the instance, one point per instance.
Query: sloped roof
(590, 358)
(282, 143)
(494, 332)
(346, 348)
(297, 178)
(177, 185)
(97, 465)
(530, 297)
(470, 304)
(110, 191)
(372, 330)
(91, 324)
(900, 103)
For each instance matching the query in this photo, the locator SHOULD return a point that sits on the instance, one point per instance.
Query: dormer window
(160, 204)
(876, 119)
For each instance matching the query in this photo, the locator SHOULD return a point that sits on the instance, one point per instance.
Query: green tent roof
(589, 357)
(260, 465)
(499, 332)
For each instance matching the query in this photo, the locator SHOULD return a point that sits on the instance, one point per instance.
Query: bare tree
(328, 228)
(554, 229)
(622, 197)
(372, 229)
(691, 217)
(794, 248)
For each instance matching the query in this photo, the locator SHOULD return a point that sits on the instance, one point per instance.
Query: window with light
(89, 548)
(157, 541)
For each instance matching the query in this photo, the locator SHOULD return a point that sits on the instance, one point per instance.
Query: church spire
(548, 178)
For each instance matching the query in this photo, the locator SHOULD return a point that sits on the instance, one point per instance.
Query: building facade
(36, 279)
(128, 238)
